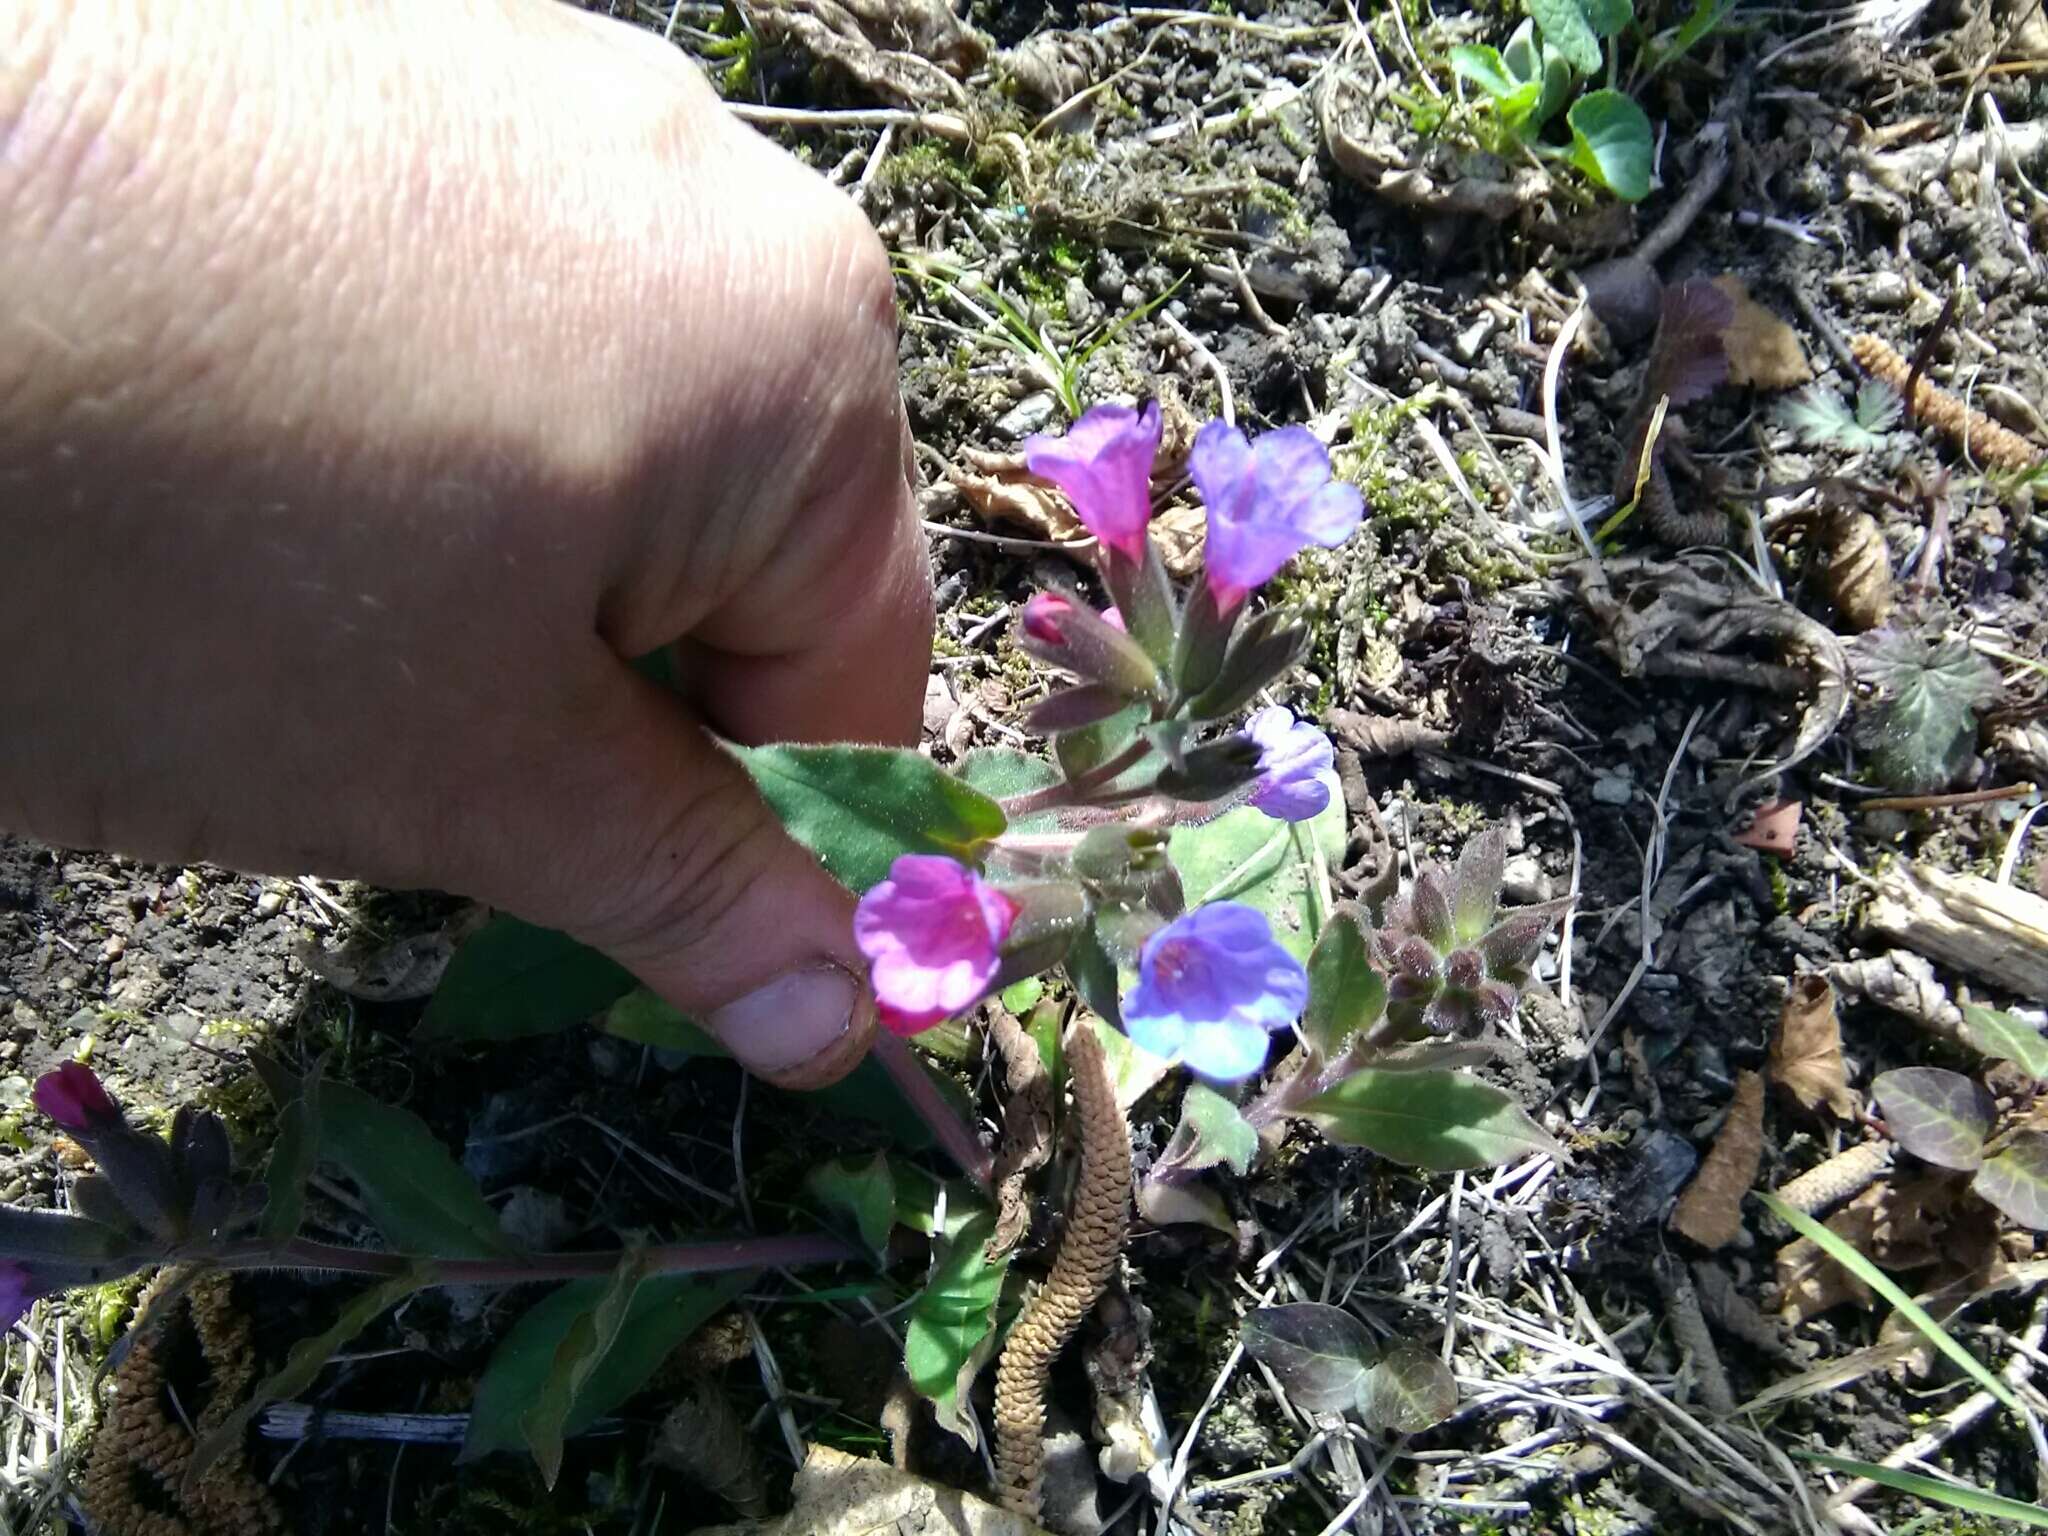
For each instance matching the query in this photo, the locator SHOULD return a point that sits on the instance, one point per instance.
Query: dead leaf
(841, 1495)
(703, 1439)
(1710, 1210)
(1858, 574)
(1806, 1053)
(1895, 1226)
(1001, 490)
(1774, 828)
(910, 52)
(397, 972)
(1763, 351)
(1374, 736)
(1181, 532)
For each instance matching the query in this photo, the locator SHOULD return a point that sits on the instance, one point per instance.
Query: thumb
(685, 876)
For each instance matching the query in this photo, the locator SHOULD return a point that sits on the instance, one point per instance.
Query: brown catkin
(1984, 439)
(1841, 1176)
(1088, 1254)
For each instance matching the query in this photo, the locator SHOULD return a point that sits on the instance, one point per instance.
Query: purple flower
(932, 931)
(18, 1291)
(1294, 761)
(1212, 986)
(75, 1098)
(1043, 612)
(1104, 464)
(1266, 500)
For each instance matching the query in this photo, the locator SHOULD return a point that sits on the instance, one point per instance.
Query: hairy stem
(1078, 789)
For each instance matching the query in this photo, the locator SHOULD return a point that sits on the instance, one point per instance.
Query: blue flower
(1295, 760)
(1267, 501)
(1212, 986)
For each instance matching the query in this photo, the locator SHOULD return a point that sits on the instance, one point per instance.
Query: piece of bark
(1997, 933)
(1806, 1052)
(1710, 1210)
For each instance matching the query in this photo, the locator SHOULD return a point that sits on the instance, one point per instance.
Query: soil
(1413, 336)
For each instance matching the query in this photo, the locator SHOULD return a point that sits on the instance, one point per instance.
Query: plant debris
(1806, 1052)
(1710, 1210)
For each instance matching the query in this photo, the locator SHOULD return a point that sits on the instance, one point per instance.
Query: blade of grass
(1957, 1496)
(1846, 1255)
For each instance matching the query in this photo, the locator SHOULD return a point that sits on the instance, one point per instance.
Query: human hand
(373, 382)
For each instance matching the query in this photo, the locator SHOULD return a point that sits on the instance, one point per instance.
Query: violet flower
(75, 1098)
(1295, 760)
(1212, 986)
(1267, 500)
(18, 1291)
(1104, 464)
(932, 932)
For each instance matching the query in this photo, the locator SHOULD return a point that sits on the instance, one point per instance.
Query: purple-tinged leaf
(1512, 944)
(1689, 359)
(1940, 1117)
(1476, 886)
(1409, 1390)
(1072, 708)
(2016, 1181)
(1415, 970)
(1493, 1002)
(1429, 907)
(1319, 1354)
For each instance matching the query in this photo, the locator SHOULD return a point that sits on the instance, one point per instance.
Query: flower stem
(1076, 791)
(952, 1133)
(662, 1259)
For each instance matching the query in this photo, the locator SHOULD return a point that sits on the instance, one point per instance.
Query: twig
(1208, 359)
(1945, 802)
(942, 125)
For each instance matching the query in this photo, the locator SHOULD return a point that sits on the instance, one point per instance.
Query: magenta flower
(932, 932)
(75, 1098)
(1295, 760)
(1104, 464)
(1267, 500)
(1212, 986)
(18, 1291)
(1043, 612)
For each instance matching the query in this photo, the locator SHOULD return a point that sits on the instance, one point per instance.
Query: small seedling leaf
(1319, 1354)
(2006, 1037)
(1613, 144)
(1345, 993)
(1483, 67)
(858, 808)
(1923, 725)
(645, 1018)
(1432, 1119)
(1940, 1117)
(1211, 1131)
(1246, 856)
(512, 980)
(2016, 1180)
(1133, 1073)
(1408, 1390)
(1608, 17)
(951, 1325)
(862, 1191)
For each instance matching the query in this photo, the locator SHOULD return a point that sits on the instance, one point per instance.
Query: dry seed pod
(1984, 439)
(1840, 1177)
(1858, 574)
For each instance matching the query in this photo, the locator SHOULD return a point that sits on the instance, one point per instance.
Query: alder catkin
(1088, 1254)
(1984, 439)
(1841, 1176)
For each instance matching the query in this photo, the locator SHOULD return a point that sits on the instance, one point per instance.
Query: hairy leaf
(858, 808)
(1567, 29)
(1132, 1073)
(1345, 993)
(2016, 1180)
(292, 1157)
(512, 980)
(1940, 1117)
(2006, 1037)
(950, 1329)
(577, 1353)
(1612, 142)
(1820, 418)
(1608, 17)
(1318, 1353)
(1688, 361)
(1211, 1131)
(1279, 867)
(1923, 723)
(1409, 1389)
(664, 1311)
(1433, 1119)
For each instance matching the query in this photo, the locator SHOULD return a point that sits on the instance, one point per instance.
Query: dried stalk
(1997, 933)
(1977, 434)
(1088, 1254)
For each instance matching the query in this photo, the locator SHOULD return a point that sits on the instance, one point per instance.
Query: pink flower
(1266, 501)
(1043, 612)
(74, 1098)
(932, 931)
(18, 1292)
(1114, 618)
(1104, 464)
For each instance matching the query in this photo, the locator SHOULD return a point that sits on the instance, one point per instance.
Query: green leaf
(1940, 1117)
(1566, 29)
(292, 1157)
(1704, 17)
(950, 1331)
(1132, 1073)
(1211, 1131)
(1976, 1501)
(1002, 773)
(1094, 976)
(512, 980)
(1612, 143)
(1483, 67)
(1924, 723)
(1852, 1258)
(1020, 997)
(586, 1341)
(1318, 1353)
(664, 1311)
(2016, 1180)
(646, 1019)
(2006, 1037)
(302, 1365)
(858, 808)
(1345, 993)
(1607, 17)
(1093, 745)
(862, 1189)
(1277, 866)
(1409, 1389)
(1432, 1119)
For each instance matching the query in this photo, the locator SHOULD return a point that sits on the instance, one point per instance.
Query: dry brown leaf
(1806, 1053)
(1374, 736)
(1027, 1128)
(841, 1495)
(1858, 575)
(1710, 1210)
(1763, 351)
(1001, 490)
(1895, 1226)
(1181, 532)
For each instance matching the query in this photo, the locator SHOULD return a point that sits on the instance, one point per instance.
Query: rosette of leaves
(1453, 960)
(1920, 724)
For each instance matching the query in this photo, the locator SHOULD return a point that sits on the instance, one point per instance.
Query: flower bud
(1264, 650)
(1143, 595)
(1075, 638)
(1213, 770)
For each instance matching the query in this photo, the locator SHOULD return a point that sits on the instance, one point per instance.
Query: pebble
(269, 904)
(1033, 413)
(1612, 789)
(1522, 879)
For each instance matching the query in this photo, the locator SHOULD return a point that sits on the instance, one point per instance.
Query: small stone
(115, 947)
(1613, 789)
(1033, 413)
(1522, 880)
(10, 1052)
(269, 904)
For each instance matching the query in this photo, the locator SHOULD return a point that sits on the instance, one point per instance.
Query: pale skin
(375, 381)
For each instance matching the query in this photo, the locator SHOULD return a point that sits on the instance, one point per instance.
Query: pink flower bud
(933, 932)
(74, 1098)
(1043, 614)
